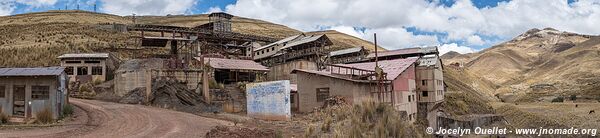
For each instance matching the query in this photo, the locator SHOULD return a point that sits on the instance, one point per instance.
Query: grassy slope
(35, 39)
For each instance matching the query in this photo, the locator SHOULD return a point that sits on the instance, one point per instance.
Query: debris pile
(171, 94)
(239, 132)
(334, 101)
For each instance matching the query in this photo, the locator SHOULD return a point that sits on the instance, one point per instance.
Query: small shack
(26, 91)
(87, 67)
(228, 71)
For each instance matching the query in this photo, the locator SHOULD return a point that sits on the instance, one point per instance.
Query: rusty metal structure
(188, 42)
(308, 47)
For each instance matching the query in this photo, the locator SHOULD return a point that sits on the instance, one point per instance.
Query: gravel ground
(106, 119)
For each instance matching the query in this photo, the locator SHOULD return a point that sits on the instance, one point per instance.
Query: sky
(464, 26)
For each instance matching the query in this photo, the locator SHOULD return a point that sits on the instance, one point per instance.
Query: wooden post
(205, 81)
(148, 85)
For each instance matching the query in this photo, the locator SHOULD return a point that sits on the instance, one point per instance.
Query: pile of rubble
(170, 94)
(240, 132)
(334, 101)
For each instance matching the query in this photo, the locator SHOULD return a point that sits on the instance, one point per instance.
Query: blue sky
(459, 25)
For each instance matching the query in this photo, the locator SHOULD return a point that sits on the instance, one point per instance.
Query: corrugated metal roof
(302, 40)
(48, 71)
(393, 68)
(406, 51)
(84, 55)
(395, 52)
(221, 63)
(328, 74)
(428, 61)
(346, 51)
(287, 39)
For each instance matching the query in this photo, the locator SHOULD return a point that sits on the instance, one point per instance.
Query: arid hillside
(538, 65)
(35, 39)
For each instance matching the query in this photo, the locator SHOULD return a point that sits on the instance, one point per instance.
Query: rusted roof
(328, 74)
(393, 68)
(406, 51)
(346, 51)
(221, 63)
(303, 40)
(48, 71)
(84, 55)
(395, 52)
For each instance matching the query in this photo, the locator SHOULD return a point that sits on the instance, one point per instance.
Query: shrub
(67, 110)
(558, 99)
(3, 117)
(573, 97)
(44, 116)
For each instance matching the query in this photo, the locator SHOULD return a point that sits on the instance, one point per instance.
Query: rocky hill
(35, 39)
(538, 65)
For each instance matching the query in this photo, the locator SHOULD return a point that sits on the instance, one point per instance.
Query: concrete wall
(283, 71)
(353, 92)
(126, 81)
(266, 52)
(103, 62)
(55, 101)
(405, 89)
(269, 100)
(434, 78)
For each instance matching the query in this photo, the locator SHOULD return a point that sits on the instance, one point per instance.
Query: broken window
(71, 61)
(40, 92)
(92, 61)
(423, 82)
(97, 70)
(292, 98)
(82, 70)
(69, 70)
(425, 94)
(2, 91)
(322, 94)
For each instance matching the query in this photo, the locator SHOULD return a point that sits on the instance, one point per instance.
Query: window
(82, 70)
(425, 94)
(69, 70)
(40, 92)
(268, 50)
(423, 82)
(93, 61)
(72, 61)
(409, 98)
(272, 48)
(292, 98)
(322, 94)
(97, 70)
(2, 91)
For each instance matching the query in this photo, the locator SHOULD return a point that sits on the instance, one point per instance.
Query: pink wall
(401, 82)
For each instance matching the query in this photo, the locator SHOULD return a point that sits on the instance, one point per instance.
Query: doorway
(19, 100)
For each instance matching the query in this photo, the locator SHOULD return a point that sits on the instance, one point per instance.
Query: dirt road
(105, 119)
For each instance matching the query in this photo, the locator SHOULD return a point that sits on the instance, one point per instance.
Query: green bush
(573, 97)
(44, 116)
(558, 99)
(67, 110)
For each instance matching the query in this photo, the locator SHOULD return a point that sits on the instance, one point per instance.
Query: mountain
(538, 65)
(35, 39)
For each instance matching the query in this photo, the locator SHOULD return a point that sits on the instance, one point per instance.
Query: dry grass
(3, 117)
(518, 118)
(44, 116)
(368, 119)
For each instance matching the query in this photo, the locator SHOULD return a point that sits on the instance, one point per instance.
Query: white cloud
(475, 40)
(37, 3)
(6, 8)
(213, 9)
(454, 47)
(462, 22)
(348, 30)
(147, 7)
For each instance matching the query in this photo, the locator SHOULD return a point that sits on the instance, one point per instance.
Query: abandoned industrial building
(87, 67)
(228, 71)
(26, 91)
